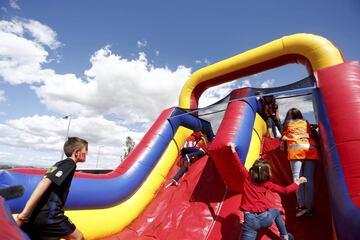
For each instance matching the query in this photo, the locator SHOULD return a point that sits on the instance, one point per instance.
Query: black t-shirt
(50, 208)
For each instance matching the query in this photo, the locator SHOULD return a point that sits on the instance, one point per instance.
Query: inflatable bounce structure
(133, 202)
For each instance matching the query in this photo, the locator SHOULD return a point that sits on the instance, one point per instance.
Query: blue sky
(115, 65)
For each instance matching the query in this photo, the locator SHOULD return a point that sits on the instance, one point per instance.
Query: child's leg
(188, 153)
(270, 127)
(278, 124)
(250, 227)
(309, 169)
(296, 169)
(180, 173)
(64, 229)
(275, 213)
(76, 235)
(197, 154)
(275, 127)
(188, 150)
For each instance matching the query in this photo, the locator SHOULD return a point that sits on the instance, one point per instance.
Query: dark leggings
(187, 155)
(274, 123)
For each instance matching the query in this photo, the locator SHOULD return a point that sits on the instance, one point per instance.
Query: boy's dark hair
(260, 172)
(73, 144)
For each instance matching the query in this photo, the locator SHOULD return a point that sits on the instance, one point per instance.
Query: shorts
(49, 231)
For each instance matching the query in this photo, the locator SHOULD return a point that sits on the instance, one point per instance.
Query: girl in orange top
(303, 154)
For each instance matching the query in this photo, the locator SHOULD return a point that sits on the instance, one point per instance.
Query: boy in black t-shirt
(43, 216)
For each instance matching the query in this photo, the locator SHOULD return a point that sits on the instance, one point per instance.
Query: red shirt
(255, 196)
(190, 142)
(193, 141)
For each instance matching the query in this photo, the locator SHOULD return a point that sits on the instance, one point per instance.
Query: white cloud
(14, 27)
(303, 103)
(46, 134)
(27, 157)
(205, 61)
(42, 34)
(38, 132)
(246, 83)
(2, 96)
(268, 83)
(134, 90)
(21, 59)
(14, 4)
(39, 32)
(216, 93)
(141, 44)
(157, 52)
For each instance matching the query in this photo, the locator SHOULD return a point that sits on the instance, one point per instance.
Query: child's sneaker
(172, 183)
(176, 183)
(299, 208)
(288, 236)
(309, 213)
(306, 212)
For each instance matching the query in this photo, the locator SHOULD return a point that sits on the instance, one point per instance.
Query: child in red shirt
(258, 210)
(194, 148)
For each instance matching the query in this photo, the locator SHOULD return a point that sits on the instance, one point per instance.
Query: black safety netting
(295, 95)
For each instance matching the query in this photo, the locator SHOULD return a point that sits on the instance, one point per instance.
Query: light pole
(67, 133)
(98, 155)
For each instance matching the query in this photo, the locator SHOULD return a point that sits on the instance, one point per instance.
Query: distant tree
(129, 146)
(5, 167)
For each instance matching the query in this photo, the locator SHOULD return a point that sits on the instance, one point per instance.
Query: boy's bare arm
(33, 200)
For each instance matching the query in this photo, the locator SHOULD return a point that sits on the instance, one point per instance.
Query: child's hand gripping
(300, 180)
(282, 145)
(232, 146)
